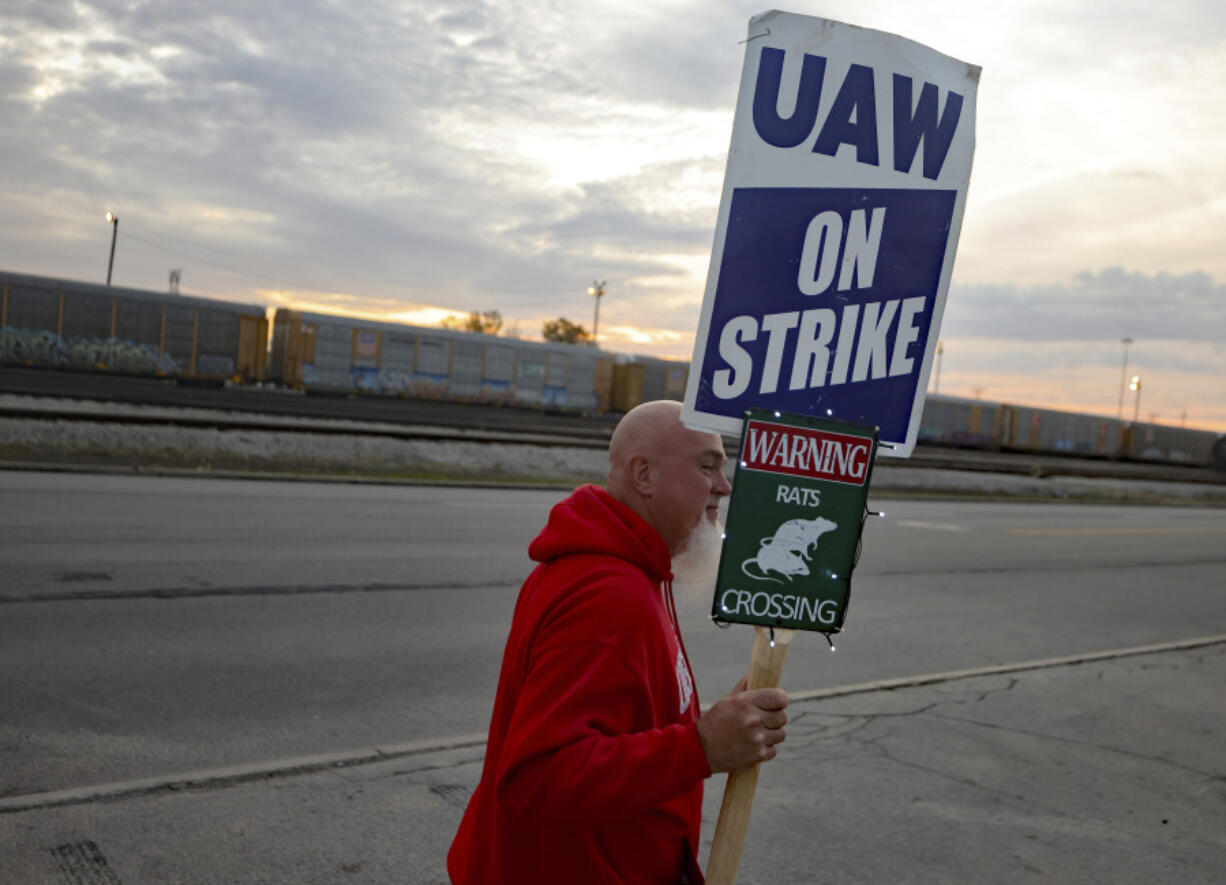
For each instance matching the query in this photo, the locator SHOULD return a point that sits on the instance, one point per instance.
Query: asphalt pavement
(1107, 770)
(164, 722)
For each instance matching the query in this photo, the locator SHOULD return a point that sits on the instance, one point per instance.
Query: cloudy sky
(402, 159)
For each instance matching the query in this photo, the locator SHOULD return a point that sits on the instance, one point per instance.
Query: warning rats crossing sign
(794, 522)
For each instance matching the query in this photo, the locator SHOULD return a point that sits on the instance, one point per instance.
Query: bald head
(668, 474)
(644, 430)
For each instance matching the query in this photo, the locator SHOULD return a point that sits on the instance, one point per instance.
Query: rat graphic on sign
(787, 550)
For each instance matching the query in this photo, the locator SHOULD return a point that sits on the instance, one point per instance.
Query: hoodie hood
(593, 521)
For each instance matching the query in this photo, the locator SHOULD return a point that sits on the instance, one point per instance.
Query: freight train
(67, 324)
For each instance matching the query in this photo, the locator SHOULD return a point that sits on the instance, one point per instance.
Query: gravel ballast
(55, 443)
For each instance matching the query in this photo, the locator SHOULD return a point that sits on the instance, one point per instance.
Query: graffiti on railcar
(43, 348)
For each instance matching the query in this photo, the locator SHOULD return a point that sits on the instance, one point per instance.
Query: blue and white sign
(842, 202)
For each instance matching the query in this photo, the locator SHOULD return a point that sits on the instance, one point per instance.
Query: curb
(239, 774)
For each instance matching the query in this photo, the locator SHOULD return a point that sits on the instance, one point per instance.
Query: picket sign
(843, 197)
(842, 203)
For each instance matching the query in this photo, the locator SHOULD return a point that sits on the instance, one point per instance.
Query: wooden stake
(765, 669)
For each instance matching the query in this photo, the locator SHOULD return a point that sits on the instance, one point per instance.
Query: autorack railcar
(1032, 429)
(965, 423)
(323, 352)
(968, 423)
(69, 324)
(638, 379)
(1172, 445)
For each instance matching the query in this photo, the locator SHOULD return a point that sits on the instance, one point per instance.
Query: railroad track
(326, 427)
(38, 394)
(268, 401)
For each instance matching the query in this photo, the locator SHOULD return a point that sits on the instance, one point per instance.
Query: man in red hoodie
(597, 753)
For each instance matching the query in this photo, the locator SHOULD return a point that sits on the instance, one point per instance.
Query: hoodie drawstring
(672, 613)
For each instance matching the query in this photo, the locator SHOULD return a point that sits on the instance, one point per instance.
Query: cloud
(1153, 217)
(373, 145)
(1060, 345)
(1092, 307)
(475, 155)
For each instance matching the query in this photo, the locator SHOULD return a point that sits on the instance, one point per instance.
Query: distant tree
(487, 322)
(564, 331)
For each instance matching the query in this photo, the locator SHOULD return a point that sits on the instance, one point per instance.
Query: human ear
(641, 475)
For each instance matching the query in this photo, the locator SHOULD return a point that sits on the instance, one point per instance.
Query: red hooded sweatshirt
(594, 768)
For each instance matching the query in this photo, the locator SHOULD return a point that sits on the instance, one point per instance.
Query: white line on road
(236, 774)
(935, 526)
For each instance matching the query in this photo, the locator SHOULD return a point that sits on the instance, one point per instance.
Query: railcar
(323, 352)
(1219, 454)
(68, 324)
(1031, 429)
(1172, 445)
(966, 423)
(638, 379)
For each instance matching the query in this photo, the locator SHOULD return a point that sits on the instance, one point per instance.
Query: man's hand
(742, 729)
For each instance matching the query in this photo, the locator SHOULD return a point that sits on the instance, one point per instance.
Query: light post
(1123, 378)
(596, 290)
(114, 220)
(1136, 385)
(940, 350)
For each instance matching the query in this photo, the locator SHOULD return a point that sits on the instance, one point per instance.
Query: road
(150, 626)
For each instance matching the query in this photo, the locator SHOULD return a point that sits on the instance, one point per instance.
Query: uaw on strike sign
(844, 192)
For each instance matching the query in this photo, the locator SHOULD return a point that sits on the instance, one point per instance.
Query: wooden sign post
(765, 670)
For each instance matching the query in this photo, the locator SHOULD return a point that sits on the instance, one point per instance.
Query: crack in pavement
(875, 746)
(1106, 748)
(818, 732)
(1022, 801)
(849, 730)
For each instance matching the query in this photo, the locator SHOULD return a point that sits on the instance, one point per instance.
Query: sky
(407, 160)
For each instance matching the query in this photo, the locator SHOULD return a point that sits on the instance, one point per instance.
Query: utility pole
(1119, 415)
(597, 290)
(114, 220)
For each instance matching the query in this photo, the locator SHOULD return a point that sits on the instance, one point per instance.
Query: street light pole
(1119, 415)
(114, 220)
(940, 350)
(597, 290)
(1136, 385)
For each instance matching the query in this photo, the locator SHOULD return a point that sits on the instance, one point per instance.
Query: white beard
(695, 567)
